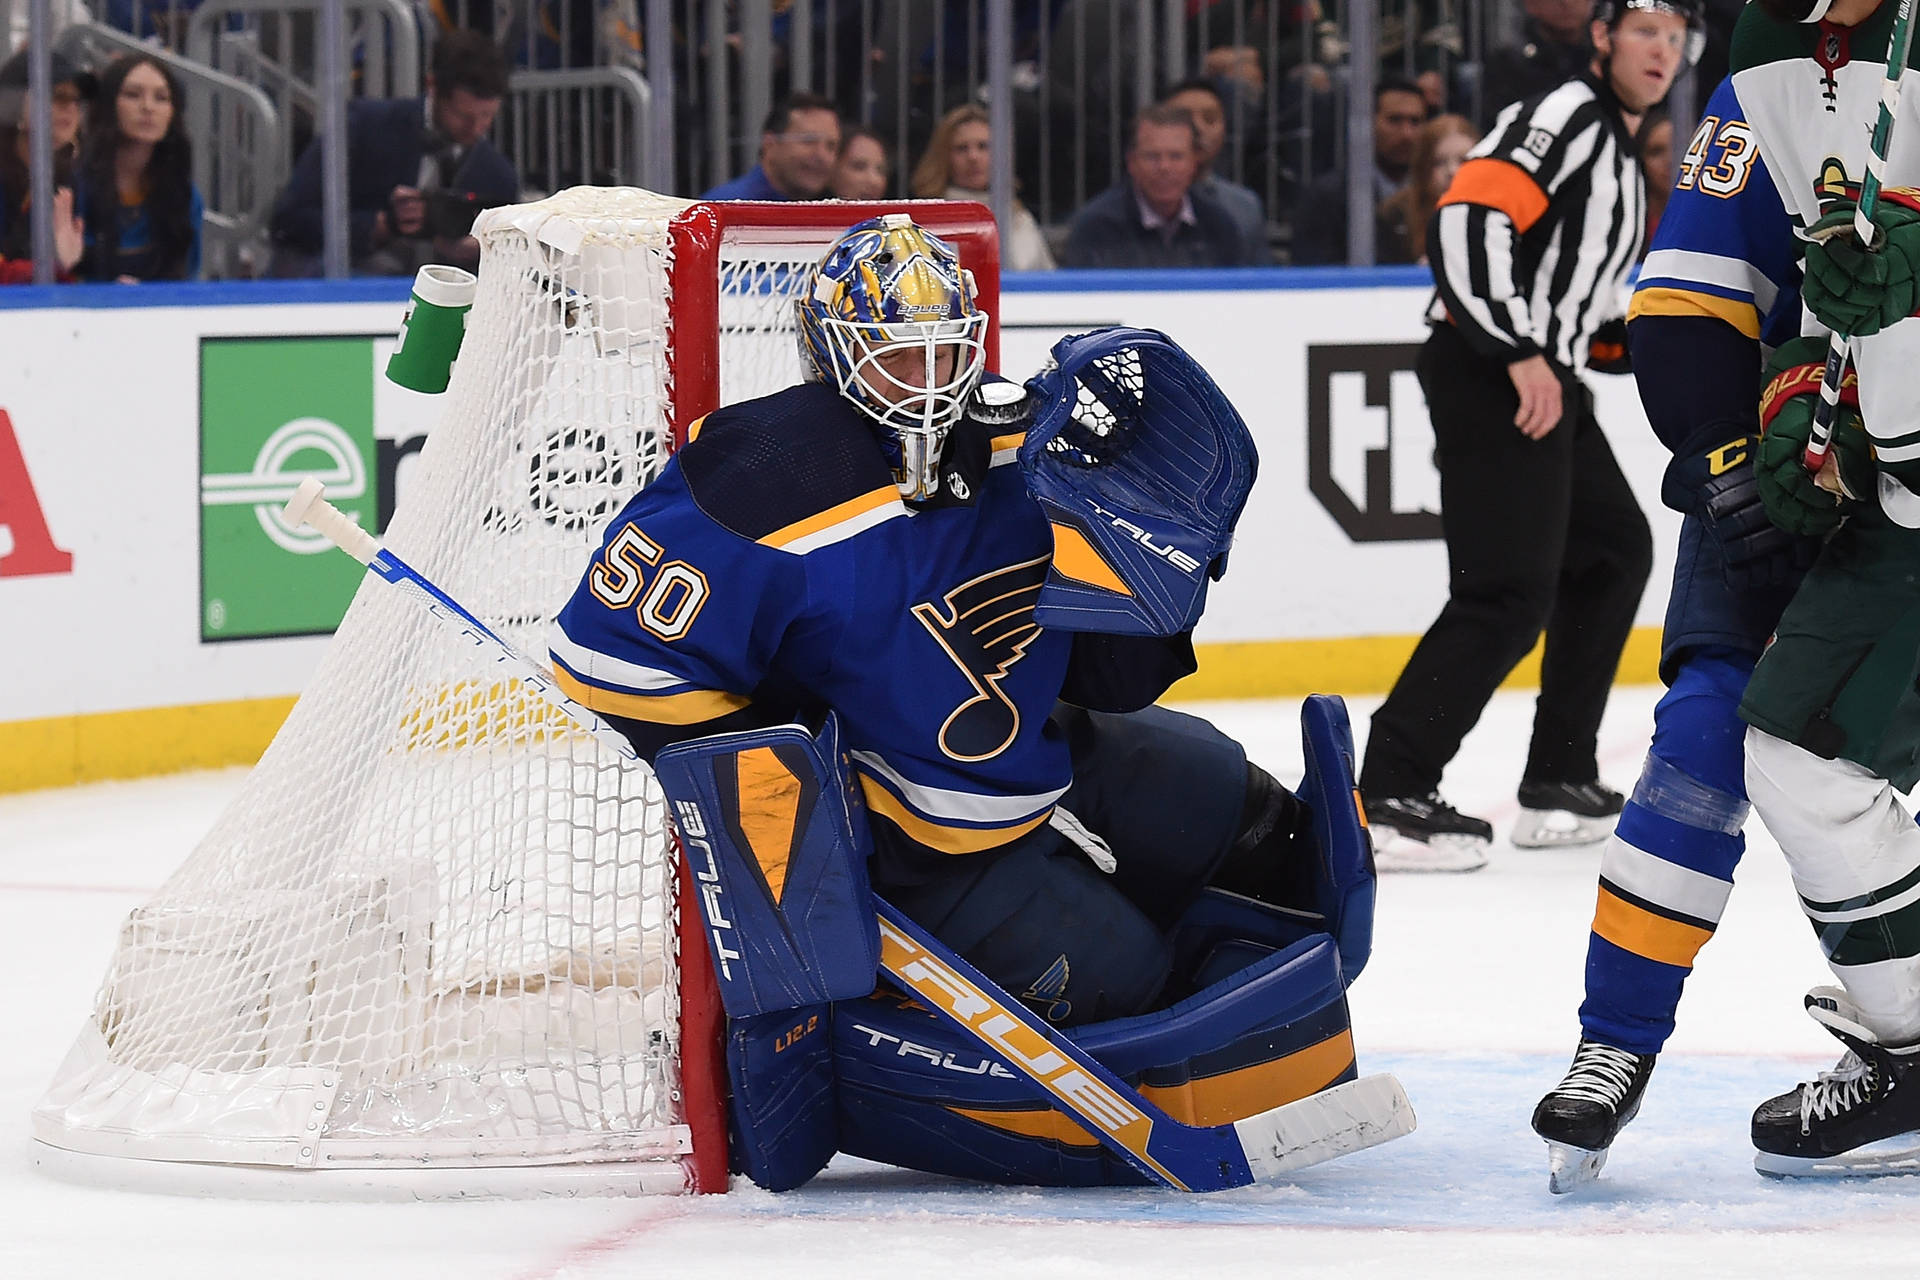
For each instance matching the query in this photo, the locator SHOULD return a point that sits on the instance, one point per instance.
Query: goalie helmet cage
(439, 945)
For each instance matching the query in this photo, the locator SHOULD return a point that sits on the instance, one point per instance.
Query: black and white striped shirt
(1534, 238)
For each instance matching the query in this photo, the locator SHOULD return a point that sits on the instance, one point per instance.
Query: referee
(1530, 248)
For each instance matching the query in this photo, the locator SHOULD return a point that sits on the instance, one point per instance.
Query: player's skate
(1582, 1114)
(1862, 1117)
(1557, 815)
(1424, 833)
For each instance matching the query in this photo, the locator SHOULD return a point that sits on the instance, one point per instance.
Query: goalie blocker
(818, 1065)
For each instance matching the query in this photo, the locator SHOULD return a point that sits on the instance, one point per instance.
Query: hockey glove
(1798, 502)
(1859, 291)
(1142, 467)
(1718, 486)
(1607, 352)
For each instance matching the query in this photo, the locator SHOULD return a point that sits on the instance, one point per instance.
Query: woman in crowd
(1442, 145)
(72, 88)
(957, 165)
(142, 211)
(861, 172)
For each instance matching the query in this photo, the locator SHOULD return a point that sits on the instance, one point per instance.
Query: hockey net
(437, 938)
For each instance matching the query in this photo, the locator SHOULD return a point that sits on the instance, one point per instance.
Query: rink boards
(159, 617)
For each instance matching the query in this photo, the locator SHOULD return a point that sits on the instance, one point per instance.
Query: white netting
(436, 927)
(435, 932)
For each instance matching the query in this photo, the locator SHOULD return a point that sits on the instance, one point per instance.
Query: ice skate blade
(1899, 1154)
(1451, 854)
(1570, 1168)
(1559, 829)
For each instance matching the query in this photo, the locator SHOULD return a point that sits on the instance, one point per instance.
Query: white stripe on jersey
(957, 806)
(1689, 267)
(604, 670)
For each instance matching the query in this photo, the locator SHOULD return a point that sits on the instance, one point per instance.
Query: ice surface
(1470, 998)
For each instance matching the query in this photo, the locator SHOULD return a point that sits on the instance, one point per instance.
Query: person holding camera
(418, 171)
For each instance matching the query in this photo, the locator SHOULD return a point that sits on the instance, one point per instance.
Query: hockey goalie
(899, 630)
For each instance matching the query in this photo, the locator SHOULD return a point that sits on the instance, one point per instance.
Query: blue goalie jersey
(773, 572)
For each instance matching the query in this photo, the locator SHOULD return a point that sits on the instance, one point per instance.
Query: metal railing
(239, 148)
(588, 125)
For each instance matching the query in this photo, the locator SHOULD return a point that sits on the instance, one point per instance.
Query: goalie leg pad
(782, 1100)
(777, 841)
(916, 1094)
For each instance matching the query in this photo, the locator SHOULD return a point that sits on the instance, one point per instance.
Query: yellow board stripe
(932, 834)
(1075, 557)
(691, 707)
(61, 751)
(1643, 933)
(769, 812)
(872, 500)
(1659, 301)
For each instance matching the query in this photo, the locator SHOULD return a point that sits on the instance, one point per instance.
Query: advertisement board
(169, 617)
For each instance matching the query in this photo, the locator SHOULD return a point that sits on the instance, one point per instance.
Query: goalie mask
(889, 319)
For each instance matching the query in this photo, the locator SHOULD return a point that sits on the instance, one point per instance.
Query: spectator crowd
(1237, 165)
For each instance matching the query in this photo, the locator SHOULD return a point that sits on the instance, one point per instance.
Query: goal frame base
(255, 1182)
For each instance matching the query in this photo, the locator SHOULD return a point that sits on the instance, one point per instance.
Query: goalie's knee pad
(1309, 853)
(777, 843)
(914, 1093)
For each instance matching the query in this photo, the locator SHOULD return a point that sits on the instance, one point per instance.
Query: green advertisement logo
(272, 412)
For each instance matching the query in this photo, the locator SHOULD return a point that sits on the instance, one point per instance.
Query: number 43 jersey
(773, 572)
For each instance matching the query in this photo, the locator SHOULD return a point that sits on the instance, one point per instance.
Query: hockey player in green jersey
(1833, 707)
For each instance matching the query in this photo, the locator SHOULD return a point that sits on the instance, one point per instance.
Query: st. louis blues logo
(1049, 991)
(985, 626)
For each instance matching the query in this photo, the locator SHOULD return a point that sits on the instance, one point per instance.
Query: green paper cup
(430, 335)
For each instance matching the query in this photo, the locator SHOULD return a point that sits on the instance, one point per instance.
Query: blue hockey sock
(1668, 869)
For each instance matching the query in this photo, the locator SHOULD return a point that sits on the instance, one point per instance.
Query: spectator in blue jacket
(418, 171)
(799, 142)
(136, 196)
(1155, 217)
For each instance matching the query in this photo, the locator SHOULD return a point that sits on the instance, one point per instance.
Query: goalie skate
(1860, 1119)
(1424, 833)
(1565, 815)
(1581, 1116)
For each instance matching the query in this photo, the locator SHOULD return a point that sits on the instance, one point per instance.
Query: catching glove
(1798, 502)
(1859, 291)
(1142, 467)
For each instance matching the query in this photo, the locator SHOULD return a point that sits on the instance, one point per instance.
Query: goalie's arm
(1125, 673)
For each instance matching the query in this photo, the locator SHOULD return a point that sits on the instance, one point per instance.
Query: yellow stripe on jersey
(851, 509)
(1662, 301)
(932, 834)
(1635, 929)
(692, 707)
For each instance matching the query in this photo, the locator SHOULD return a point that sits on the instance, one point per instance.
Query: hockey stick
(1346, 1118)
(1837, 346)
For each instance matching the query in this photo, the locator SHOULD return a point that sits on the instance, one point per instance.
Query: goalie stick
(1878, 147)
(1346, 1118)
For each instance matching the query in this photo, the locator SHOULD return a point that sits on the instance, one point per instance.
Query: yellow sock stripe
(1637, 930)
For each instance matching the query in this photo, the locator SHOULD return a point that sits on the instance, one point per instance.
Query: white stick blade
(1334, 1122)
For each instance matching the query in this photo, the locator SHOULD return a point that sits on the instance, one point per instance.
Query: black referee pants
(1540, 534)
